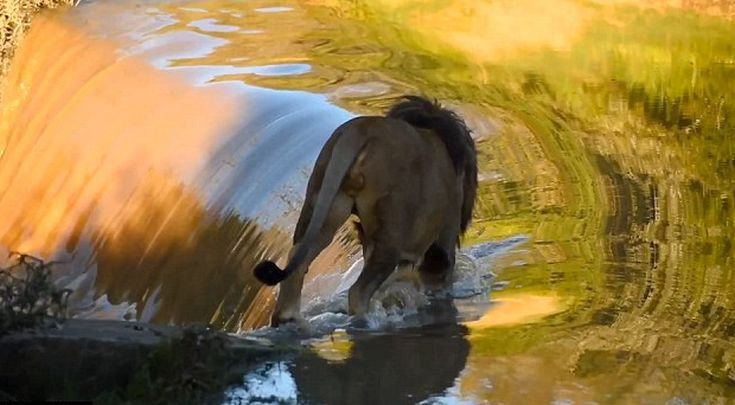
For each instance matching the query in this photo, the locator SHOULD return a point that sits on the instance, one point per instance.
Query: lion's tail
(345, 153)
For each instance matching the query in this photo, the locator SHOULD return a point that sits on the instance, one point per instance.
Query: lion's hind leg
(383, 223)
(378, 267)
(437, 267)
(436, 260)
(288, 305)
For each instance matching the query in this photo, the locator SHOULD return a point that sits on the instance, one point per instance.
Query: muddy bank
(117, 361)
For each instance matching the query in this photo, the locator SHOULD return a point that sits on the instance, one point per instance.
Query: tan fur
(402, 184)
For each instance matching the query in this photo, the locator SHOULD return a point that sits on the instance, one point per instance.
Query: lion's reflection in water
(405, 366)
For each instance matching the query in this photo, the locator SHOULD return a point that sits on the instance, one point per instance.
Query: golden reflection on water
(513, 309)
(335, 348)
(489, 31)
(100, 152)
(136, 174)
(76, 148)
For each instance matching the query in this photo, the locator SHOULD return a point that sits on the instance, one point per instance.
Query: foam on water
(401, 303)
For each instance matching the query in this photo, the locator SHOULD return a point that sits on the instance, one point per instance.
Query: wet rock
(88, 359)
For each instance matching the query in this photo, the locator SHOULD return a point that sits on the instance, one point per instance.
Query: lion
(410, 177)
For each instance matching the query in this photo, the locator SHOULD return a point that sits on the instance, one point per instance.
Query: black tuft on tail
(269, 273)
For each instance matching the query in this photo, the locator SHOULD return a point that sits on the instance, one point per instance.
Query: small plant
(28, 297)
(193, 368)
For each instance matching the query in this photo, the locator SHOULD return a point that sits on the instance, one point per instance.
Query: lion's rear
(422, 113)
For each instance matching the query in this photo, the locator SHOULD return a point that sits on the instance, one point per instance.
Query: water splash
(401, 302)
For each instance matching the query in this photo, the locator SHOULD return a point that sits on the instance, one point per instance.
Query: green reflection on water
(616, 155)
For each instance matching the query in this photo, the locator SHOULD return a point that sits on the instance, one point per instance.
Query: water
(161, 149)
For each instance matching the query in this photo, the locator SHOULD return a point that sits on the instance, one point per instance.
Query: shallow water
(160, 149)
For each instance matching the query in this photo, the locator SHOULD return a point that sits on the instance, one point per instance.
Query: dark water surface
(161, 149)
